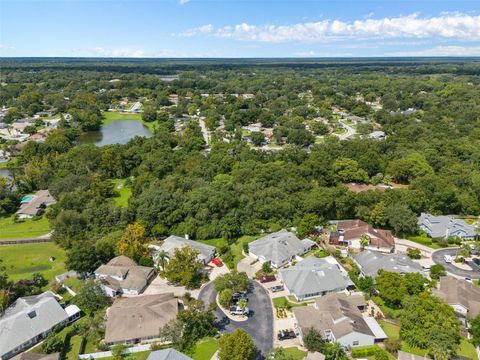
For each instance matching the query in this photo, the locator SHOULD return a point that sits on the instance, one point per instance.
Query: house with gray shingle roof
(167, 354)
(314, 277)
(370, 262)
(280, 248)
(445, 226)
(29, 320)
(206, 252)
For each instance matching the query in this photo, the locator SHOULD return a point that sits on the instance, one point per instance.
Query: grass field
(205, 349)
(124, 192)
(22, 260)
(235, 248)
(295, 353)
(22, 230)
(113, 116)
(280, 302)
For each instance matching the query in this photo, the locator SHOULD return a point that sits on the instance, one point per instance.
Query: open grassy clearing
(124, 191)
(28, 228)
(22, 260)
(295, 353)
(113, 116)
(205, 349)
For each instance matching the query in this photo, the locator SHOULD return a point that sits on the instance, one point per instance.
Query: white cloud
(450, 25)
(183, 2)
(441, 51)
(133, 53)
(99, 51)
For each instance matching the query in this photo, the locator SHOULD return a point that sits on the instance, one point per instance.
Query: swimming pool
(26, 198)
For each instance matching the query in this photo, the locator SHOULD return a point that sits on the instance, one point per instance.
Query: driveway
(437, 258)
(260, 323)
(245, 265)
(350, 131)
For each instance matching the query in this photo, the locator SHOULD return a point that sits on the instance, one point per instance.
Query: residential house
(350, 232)
(377, 135)
(370, 262)
(31, 205)
(122, 275)
(462, 295)
(279, 248)
(445, 226)
(37, 356)
(256, 127)
(314, 277)
(29, 320)
(339, 318)
(132, 320)
(167, 354)
(170, 244)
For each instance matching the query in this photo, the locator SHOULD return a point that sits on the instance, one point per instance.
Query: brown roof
(336, 312)
(355, 187)
(139, 316)
(38, 200)
(354, 229)
(36, 356)
(459, 292)
(122, 260)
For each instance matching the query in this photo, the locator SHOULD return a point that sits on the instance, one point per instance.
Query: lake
(118, 132)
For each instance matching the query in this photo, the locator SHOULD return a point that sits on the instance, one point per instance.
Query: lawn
(387, 311)
(205, 349)
(218, 243)
(295, 353)
(124, 191)
(22, 260)
(424, 240)
(113, 116)
(393, 331)
(28, 228)
(280, 302)
(73, 347)
(235, 248)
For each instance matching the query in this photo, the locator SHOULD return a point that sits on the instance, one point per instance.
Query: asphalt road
(437, 257)
(260, 323)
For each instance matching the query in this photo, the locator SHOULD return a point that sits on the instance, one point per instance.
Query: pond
(118, 132)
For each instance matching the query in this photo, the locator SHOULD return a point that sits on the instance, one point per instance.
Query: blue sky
(198, 28)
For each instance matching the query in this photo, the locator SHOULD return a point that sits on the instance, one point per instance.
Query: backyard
(235, 249)
(28, 228)
(22, 260)
(393, 331)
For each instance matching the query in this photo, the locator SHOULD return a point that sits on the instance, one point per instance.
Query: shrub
(52, 344)
(365, 351)
(414, 253)
(392, 345)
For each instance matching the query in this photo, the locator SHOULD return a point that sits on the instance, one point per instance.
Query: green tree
(307, 224)
(52, 343)
(225, 297)
(391, 287)
(401, 219)
(429, 323)
(347, 170)
(184, 268)
(237, 346)
(437, 271)
(474, 330)
(313, 340)
(234, 280)
(162, 259)
(414, 253)
(364, 241)
(257, 138)
(91, 296)
(334, 351)
(149, 113)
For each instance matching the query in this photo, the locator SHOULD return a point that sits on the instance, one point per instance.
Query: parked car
(237, 310)
(286, 334)
(448, 259)
(267, 278)
(467, 279)
(277, 288)
(217, 262)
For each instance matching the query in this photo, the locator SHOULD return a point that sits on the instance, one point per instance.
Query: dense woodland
(232, 190)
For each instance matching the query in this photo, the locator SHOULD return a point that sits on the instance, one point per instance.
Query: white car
(237, 310)
(448, 258)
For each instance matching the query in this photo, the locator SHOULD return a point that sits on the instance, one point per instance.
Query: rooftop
(459, 292)
(371, 262)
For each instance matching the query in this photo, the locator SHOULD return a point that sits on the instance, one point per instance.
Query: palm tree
(242, 303)
(364, 241)
(162, 257)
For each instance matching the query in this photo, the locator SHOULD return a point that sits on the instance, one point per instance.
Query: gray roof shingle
(167, 354)
(445, 226)
(372, 261)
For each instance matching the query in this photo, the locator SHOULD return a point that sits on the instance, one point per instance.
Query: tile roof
(354, 229)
